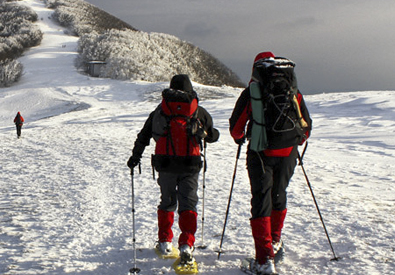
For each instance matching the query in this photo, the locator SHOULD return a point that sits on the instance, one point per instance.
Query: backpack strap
(258, 132)
(169, 138)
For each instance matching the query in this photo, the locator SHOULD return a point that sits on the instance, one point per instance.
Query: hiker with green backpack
(271, 114)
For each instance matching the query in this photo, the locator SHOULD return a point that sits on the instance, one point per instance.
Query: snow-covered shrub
(17, 31)
(82, 17)
(10, 72)
(64, 15)
(10, 48)
(131, 54)
(152, 57)
(10, 11)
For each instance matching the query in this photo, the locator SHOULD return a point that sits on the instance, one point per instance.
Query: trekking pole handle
(238, 151)
(303, 152)
(132, 170)
(204, 156)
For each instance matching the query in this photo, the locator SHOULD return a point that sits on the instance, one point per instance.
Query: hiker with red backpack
(272, 115)
(18, 120)
(179, 126)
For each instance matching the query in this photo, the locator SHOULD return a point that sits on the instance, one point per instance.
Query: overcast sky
(338, 45)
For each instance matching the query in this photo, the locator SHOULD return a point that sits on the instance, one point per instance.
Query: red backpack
(175, 124)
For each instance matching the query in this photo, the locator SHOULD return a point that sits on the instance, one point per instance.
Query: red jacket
(18, 120)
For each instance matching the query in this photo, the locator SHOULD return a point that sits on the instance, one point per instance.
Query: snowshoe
(186, 264)
(250, 266)
(181, 267)
(166, 250)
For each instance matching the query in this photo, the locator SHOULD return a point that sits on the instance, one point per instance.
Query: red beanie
(263, 55)
(260, 56)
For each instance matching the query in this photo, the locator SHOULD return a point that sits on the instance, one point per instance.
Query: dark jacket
(190, 164)
(176, 164)
(18, 120)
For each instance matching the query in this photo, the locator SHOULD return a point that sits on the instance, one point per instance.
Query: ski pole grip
(238, 151)
(304, 149)
(300, 157)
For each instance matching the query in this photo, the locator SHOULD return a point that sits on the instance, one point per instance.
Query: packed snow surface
(65, 202)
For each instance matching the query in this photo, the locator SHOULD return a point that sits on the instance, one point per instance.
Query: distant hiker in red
(18, 120)
(272, 115)
(178, 126)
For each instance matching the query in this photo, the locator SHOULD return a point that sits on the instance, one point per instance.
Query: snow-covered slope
(65, 204)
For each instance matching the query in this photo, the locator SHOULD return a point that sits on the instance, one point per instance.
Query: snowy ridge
(65, 203)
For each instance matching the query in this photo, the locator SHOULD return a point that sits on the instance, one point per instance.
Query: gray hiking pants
(178, 188)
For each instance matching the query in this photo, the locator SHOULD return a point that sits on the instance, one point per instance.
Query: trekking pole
(315, 202)
(134, 269)
(203, 246)
(230, 198)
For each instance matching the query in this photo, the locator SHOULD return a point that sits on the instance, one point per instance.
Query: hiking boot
(186, 254)
(165, 248)
(266, 268)
(277, 246)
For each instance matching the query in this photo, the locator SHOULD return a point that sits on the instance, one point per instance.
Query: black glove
(241, 141)
(133, 162)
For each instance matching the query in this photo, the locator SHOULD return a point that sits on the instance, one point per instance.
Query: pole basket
(134, 270)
